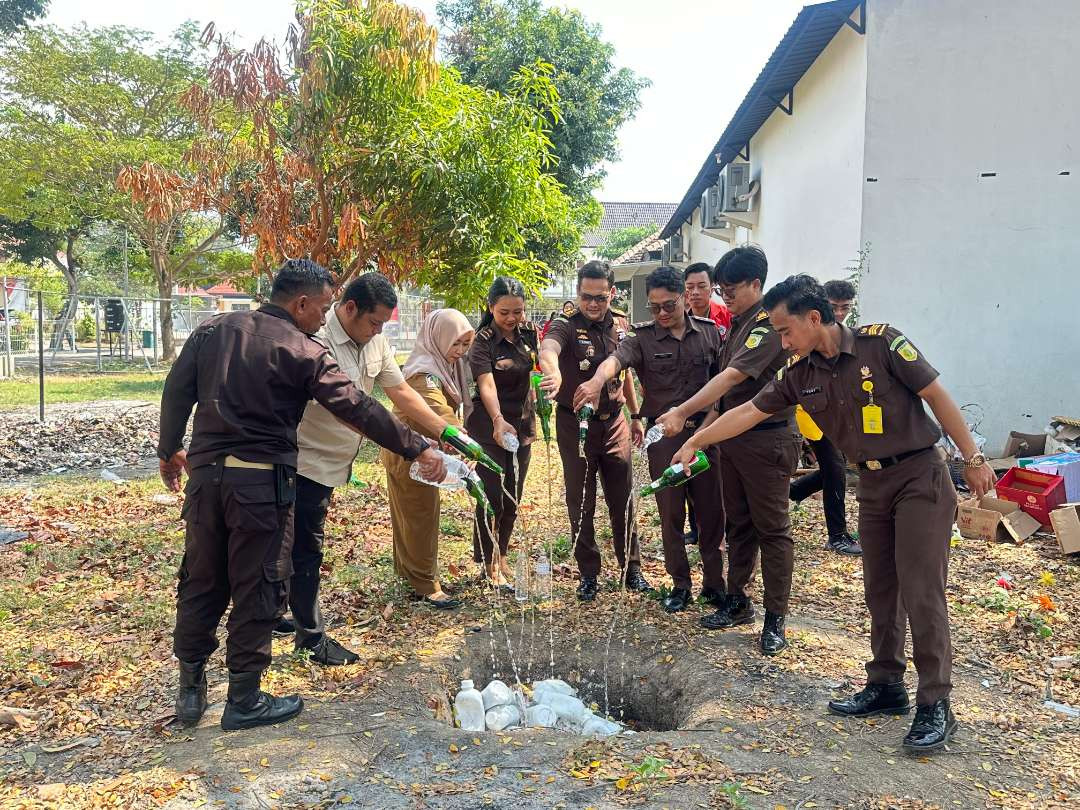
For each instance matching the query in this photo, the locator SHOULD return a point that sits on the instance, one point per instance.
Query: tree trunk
(163, 274)
(68, 311)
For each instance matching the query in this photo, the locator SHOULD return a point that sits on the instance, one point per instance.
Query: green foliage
(621, 240)
(14, 14)
(491, 40)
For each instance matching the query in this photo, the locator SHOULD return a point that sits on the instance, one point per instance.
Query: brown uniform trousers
(756, 469)
(607, 452)
(497, 488)
(906, 513)
(708, 509)
(238, 546)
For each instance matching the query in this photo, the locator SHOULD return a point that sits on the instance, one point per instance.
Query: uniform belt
(875, 464)
(691, 424)
(603, 417)
(770, 425)
(233, 461)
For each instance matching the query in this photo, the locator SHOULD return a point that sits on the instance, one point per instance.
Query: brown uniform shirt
(671, 370)
(252, 374)
(754, 349)
(833, 391)
(510, 363)
(584, 345)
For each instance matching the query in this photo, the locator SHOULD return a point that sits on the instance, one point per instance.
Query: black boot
(932, 728)
(586, 591)
(713, 597)
(677, 600)
(635, 581)
(191, 698)
(773, 639)
(874, 699)
(248, 706)
(738, 610)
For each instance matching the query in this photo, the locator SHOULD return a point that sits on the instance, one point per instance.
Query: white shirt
(327, 445)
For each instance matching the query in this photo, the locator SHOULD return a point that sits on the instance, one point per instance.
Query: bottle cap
(466, 684)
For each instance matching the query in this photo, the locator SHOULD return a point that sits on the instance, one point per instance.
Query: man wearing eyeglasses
(674, 355)
(574, 346)
(756, 467)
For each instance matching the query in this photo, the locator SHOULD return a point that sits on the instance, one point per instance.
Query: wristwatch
(975, 461)
(635, 416)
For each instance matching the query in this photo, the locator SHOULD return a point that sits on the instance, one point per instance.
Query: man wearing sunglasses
(674, 355)
(756, 467)
(574, 346)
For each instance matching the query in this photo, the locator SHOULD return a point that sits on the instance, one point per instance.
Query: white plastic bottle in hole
(542, 580)
(652, 436)
(469, 707)
(567, 707)
(499, 717)
(541, 716)
(496, 693)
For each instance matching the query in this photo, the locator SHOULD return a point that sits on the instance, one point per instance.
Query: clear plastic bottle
(469, 707)
(521, 577)
(542, 580)
(495, 694)
(652, 436)
(499, 717)
(510, 442)
(458, 476)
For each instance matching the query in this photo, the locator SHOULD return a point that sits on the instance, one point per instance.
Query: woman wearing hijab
(436, 371)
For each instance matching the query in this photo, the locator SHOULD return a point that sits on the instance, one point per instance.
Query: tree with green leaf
(490, 40)
(14, 14)
(622, 239)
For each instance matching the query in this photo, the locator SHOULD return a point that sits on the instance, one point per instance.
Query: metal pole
(97, 329)
(41, 357)
(7, 331)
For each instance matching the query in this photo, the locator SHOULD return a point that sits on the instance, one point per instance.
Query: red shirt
(721, 316)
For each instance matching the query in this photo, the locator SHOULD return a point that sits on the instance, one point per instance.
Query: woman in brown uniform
(436, 371)
(501, 359)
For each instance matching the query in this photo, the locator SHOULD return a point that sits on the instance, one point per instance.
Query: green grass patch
(23, 391)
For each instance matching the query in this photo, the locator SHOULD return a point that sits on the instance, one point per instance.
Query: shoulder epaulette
(761, 316)
(618, 313)
(643, 324)
(700, 319)
(795, 358)
(529, 326)
(872, 330)
(485, 333)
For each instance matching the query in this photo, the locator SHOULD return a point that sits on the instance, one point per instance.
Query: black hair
(800, 294)
(299, 277)
(699, 267)
(837, 290)
(596, 269)
(743, 263)
(501, 287)
(369, 291)
(665, 278)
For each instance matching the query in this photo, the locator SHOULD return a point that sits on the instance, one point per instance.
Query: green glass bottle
(469, 448)
(584, 414)
(675, 476)
(475, 487)
(543, 406)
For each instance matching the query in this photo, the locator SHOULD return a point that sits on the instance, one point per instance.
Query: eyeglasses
(667, 306)
(592, 299)
(729, 290)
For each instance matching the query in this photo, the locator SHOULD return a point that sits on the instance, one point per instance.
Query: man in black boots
(251, 374)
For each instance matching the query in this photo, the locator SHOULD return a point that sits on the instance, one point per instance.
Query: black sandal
(450, 603)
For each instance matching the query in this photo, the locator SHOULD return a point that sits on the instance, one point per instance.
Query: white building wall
(982, 273)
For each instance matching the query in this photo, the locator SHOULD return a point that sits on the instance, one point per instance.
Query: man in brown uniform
(573, 346)
(756, 467)
(251, 374)
(865, 389)
(673, 357)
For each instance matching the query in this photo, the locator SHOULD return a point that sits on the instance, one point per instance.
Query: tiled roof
(618, 215)
(640, 252)
(224, 288)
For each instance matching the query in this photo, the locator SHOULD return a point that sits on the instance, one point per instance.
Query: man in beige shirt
(353, 334)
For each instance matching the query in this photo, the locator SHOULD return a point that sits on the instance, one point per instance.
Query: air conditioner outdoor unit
(676, 245)
(711, 206)
(736, 184)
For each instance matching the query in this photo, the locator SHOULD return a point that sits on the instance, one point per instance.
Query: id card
(871, 419)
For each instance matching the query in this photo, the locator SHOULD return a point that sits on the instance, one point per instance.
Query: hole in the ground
(640, 683)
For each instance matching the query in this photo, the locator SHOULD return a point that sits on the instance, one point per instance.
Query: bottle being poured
(675, 475)
(458, 476)
(652, 436)
(469, 447)
(584, 414)
(543, 406)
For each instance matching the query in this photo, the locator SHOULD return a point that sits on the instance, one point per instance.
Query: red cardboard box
(1037, 493)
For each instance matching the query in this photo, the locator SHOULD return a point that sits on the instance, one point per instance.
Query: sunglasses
(666, 306)
(592, 299)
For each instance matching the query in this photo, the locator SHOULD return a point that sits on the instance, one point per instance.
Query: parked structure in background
(921, 148)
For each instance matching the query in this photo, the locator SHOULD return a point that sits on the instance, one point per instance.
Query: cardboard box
(1067, 465)
(1066, 522)
(1037, 493)
(993, 519)
(1024, 444)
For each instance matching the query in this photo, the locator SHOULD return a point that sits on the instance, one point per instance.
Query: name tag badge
(871, 419)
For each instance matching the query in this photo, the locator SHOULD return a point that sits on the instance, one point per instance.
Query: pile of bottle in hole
(551, 703)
